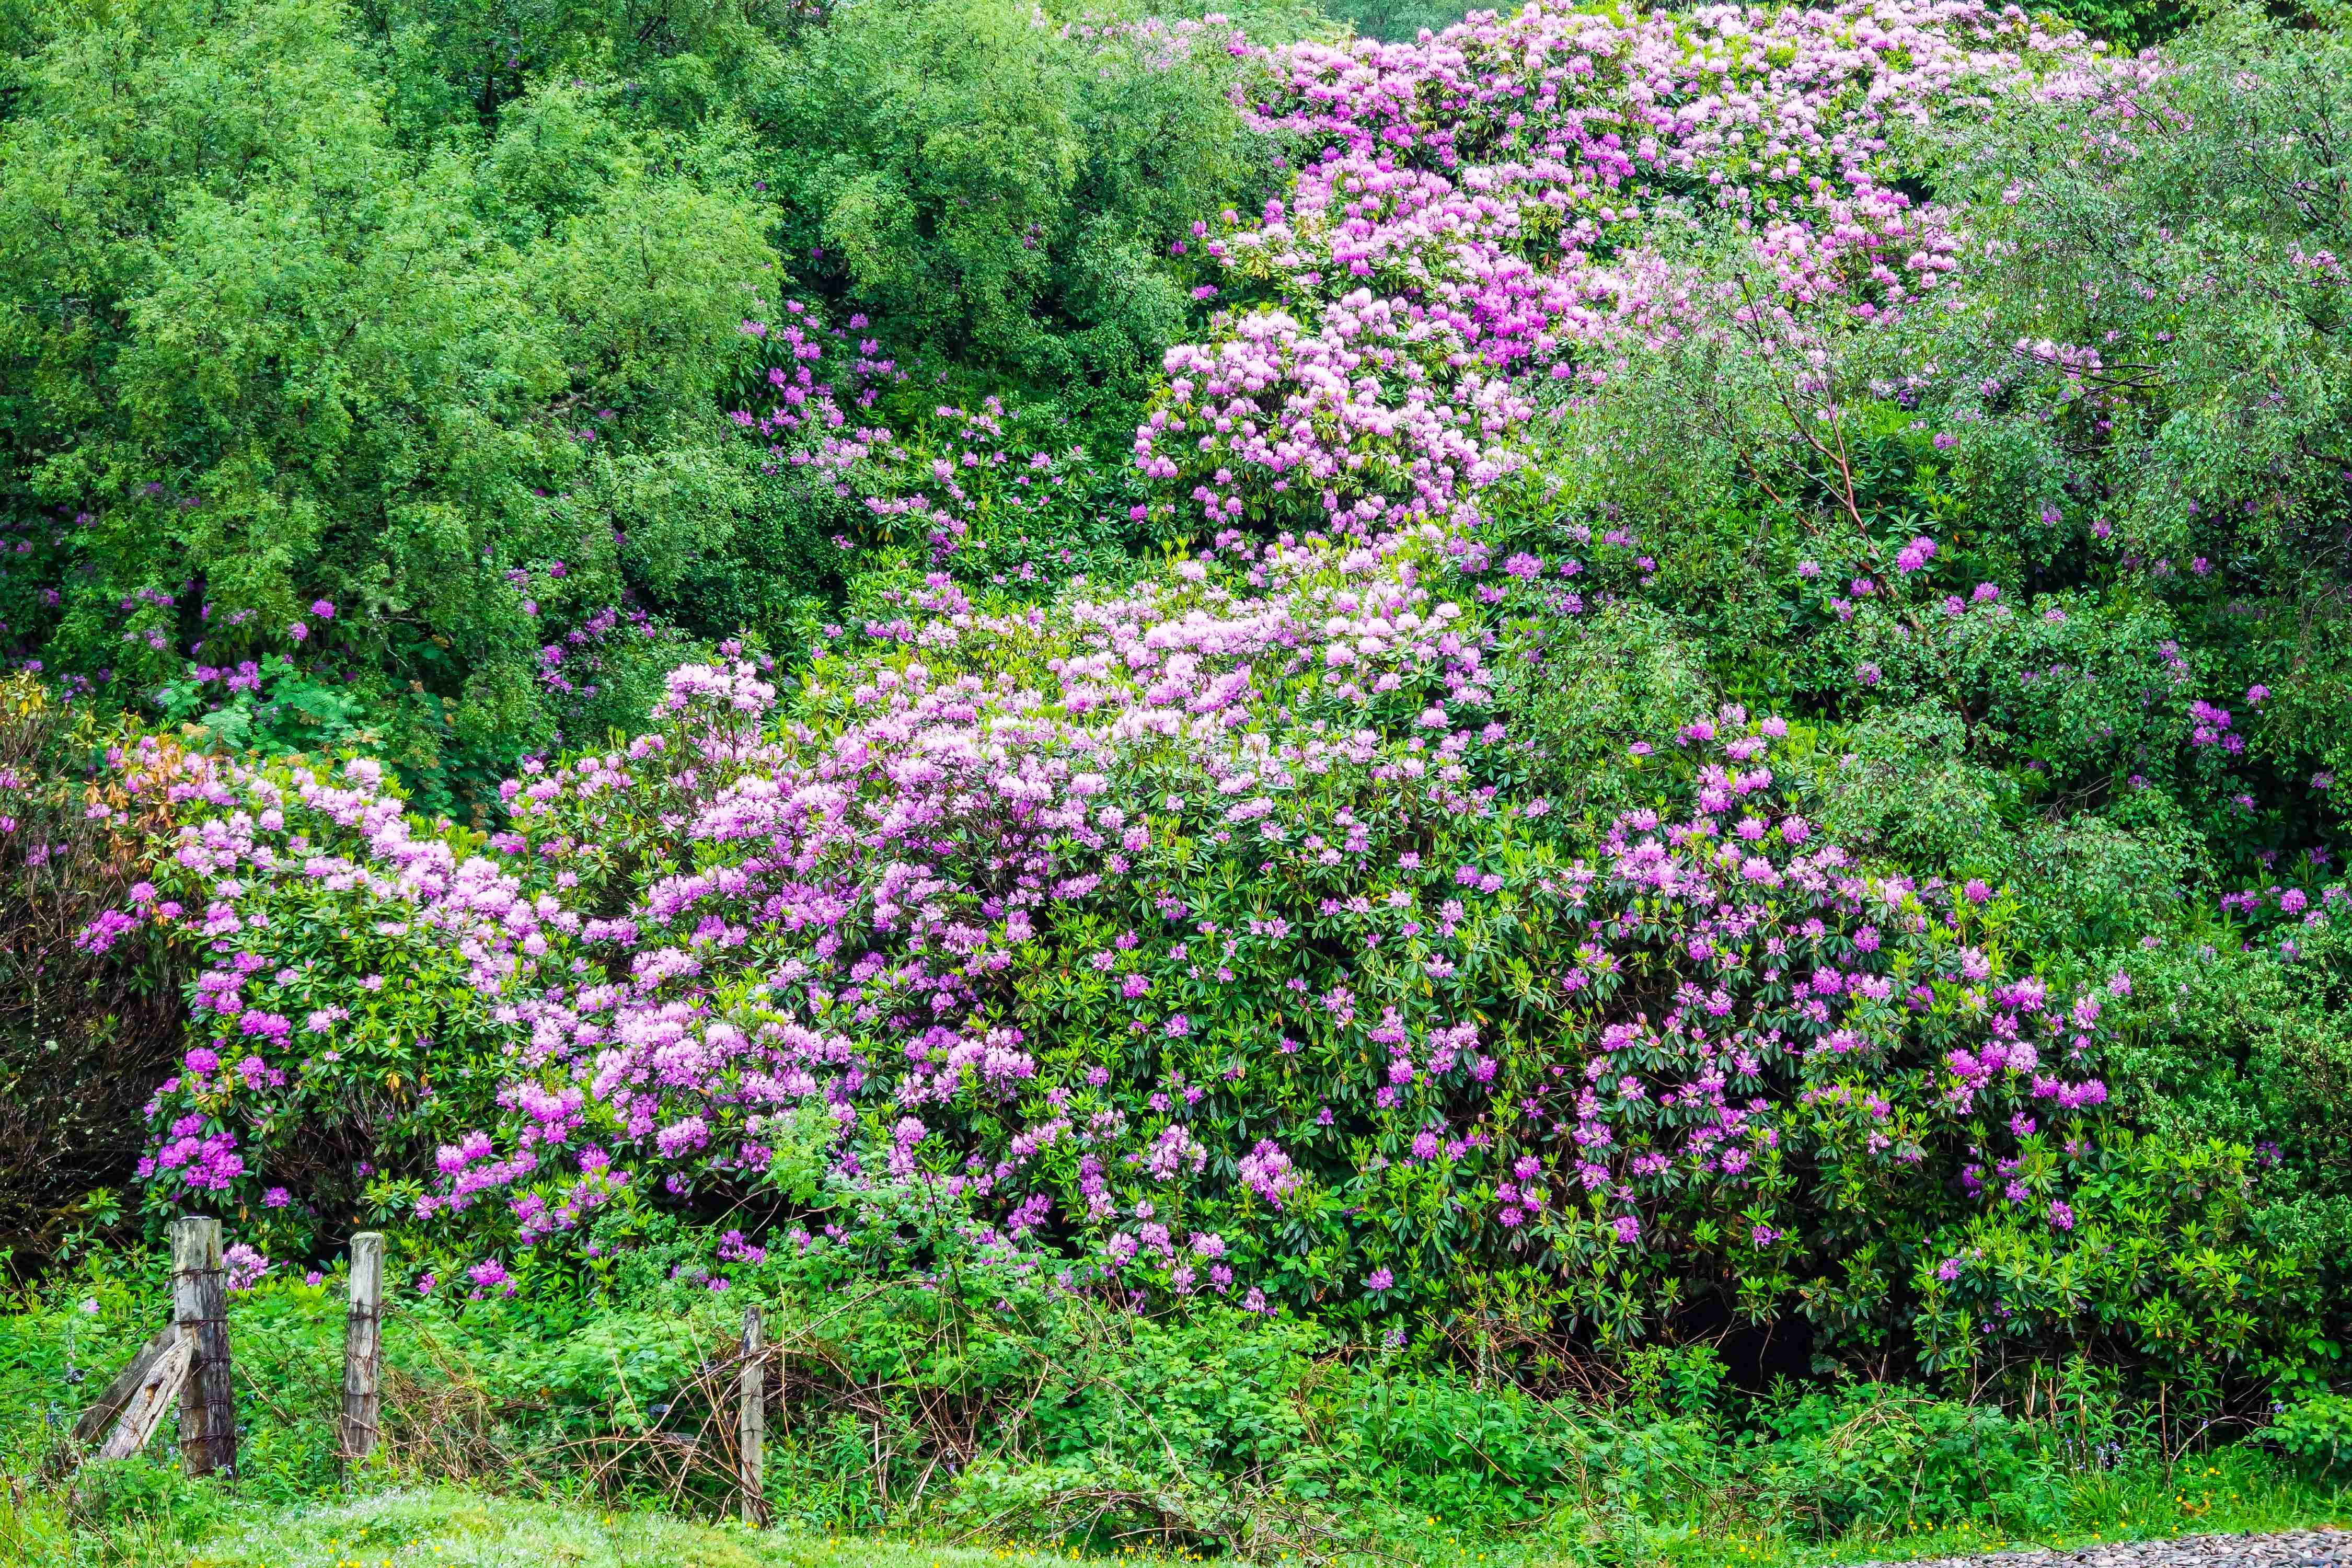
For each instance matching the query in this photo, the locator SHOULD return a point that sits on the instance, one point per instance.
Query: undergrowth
(548, 1428)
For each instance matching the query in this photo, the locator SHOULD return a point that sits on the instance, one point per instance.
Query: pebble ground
(2296, 1549)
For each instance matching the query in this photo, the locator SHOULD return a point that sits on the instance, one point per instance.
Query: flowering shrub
(244, 1268)
(1510, 204)
(362, 1070)
(88, 1013)
(1514, 199)
(2318, 1430)
(545, 381)
(1269, 924)
(2118, 1271)
(1196, 936)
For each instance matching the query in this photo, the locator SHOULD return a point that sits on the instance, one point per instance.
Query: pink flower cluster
(1201, 925)
(1501, 199)
(1139, 921)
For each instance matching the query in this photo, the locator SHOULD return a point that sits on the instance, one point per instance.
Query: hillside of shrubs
(1553, 787)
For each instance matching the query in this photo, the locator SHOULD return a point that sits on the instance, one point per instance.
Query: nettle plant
(1198, 938)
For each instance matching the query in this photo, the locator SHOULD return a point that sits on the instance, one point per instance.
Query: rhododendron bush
(1531, 732)
(1523, 203)
(1507, 208)
(1198, 938)
(1410, 895)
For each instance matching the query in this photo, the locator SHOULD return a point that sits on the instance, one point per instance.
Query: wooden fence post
(364, 1348)
(752, 1419)
(200, 1308)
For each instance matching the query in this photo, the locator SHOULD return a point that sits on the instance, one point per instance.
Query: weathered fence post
(752, 1419)
(116, 1395)
(135, 1403)
(200, 1308)
(364, 1348)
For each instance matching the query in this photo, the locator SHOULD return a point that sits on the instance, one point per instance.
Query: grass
(450, 1527)
(142, 1516)
(2232, 1491)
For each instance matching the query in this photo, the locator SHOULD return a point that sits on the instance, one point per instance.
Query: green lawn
(449, 1527)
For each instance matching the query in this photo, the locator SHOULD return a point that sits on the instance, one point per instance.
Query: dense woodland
(1610, 729)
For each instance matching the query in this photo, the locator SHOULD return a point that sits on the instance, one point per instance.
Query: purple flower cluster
(1496, 203)
(1169, 925)
(1200, 930)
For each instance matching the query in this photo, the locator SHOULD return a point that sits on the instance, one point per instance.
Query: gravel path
(2296, 1549)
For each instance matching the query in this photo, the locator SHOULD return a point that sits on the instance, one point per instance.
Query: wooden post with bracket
(752, 1419)
(200, 1309)
(364, 1348)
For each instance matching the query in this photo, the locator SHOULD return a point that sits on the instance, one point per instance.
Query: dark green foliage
(1590, 688)
(2239, 1044)
(428, 314)
(264, 355)
(2128, 24)
(1395, 21)
(998, 188)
